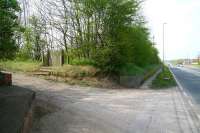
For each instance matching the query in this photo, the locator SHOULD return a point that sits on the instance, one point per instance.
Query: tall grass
(16, 65)
(74, 71)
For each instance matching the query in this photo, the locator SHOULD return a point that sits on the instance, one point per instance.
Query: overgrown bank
(85, 75)
(164, 79)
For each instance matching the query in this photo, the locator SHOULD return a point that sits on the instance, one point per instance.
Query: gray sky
(182, 29)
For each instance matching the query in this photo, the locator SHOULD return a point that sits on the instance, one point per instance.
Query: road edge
(188, 100)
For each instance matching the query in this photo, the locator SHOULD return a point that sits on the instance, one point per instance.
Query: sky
(182, 31)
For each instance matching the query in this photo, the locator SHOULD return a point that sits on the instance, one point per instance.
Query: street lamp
(153, 40)
(164, 44)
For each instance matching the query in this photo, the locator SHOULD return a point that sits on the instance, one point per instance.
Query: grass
(23, 66)
(79, 75)
(164, 80)
(85, 75)
(196, 65)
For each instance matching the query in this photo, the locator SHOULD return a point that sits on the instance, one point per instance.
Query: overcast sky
(182, 29)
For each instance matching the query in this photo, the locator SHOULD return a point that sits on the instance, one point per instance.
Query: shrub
(82, 62)
(131, 70)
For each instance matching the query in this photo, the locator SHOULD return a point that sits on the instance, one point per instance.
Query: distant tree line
(107, 33)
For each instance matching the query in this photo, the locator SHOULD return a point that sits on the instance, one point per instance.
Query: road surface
(189, 79)
(75, 109)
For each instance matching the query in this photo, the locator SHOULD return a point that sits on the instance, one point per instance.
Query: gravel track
(75, 109)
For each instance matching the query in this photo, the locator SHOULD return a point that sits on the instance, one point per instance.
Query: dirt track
(77, 109)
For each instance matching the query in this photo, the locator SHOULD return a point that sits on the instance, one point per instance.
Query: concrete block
(5, 78)
(131, 81)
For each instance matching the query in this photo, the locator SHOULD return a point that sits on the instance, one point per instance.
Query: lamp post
(153, 39)
(164, 44)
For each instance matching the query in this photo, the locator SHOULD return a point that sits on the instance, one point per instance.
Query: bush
(83, 62)
(131, 70)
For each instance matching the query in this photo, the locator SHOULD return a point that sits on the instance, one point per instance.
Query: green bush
(131, 70)
(82, 62)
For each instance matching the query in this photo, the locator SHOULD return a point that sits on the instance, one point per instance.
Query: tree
(8, 27)
(38, 42)
(117, 24)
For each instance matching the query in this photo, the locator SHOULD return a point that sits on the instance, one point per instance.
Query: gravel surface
(75, 109)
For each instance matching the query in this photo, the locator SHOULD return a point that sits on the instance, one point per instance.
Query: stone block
(131, 81)
(5, 78)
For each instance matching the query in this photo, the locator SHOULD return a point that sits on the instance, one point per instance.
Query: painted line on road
(181, 88)
(179, 84)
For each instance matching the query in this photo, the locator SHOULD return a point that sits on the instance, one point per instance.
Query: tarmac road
(189, 79)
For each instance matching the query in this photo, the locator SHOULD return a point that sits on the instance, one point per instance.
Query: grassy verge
(196, 65)
(84, 75)
(74, 71)
(22, 66)
(164, 80)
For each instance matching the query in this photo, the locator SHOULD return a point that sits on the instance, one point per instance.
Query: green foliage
(126, 42)
(144, 52)
(83, 62)
(38, 43)
(26, 51)
(33, 45)
(8, 26)
(164, 80)
(102, 59)
(130, 70)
